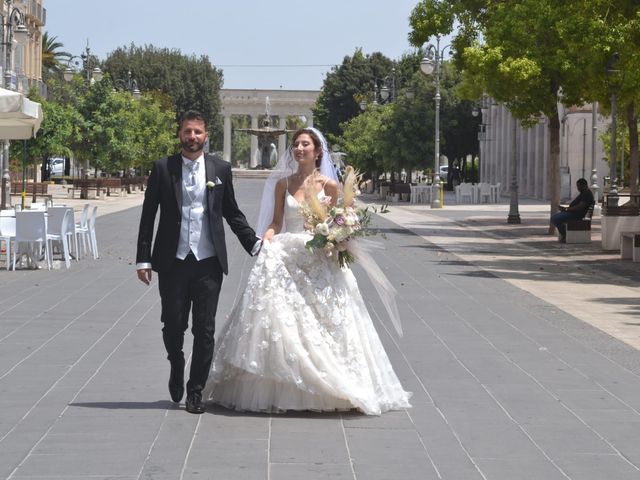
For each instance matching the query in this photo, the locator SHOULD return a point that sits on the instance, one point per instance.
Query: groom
(194, 192)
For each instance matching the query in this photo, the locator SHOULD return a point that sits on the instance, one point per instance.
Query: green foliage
(108, 128)
(52, 57)
(345, 84)
(59, 130)
(191, 82)
(400, 135)
(241, 141)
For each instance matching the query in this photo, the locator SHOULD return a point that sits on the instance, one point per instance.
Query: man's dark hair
(582, 181)
(192, 115)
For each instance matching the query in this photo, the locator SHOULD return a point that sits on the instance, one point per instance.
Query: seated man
(576, 210)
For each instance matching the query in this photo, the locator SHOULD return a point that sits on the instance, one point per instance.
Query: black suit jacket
(164, 190)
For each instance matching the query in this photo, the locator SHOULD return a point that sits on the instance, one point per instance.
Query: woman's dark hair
(314, 138)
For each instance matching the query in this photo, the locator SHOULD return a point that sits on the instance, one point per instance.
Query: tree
(59, 129)
(355, 78)
(398, 136)
(155, 134)
(523, 61)
(52, 57)
(191, 82)
(596, 31)
(361, 140)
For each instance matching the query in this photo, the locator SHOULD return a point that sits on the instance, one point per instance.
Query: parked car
(444, 172)
(56, 166)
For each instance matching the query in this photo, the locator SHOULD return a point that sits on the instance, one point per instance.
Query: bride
(300, 337)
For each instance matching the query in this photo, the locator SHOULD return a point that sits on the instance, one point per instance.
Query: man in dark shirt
(576, 210)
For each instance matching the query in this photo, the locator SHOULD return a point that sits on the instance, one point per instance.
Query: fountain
(267, 135)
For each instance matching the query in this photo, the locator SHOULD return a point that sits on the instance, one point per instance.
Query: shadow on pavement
(157, 405)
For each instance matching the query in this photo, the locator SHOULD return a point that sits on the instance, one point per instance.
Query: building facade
(257, 103)
(501, 134)
(21, 61)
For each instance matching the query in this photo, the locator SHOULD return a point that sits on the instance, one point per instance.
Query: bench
(579, 231)
(85, 186)
(113, 185)
(399, 191)
(34, 191)
(630, 246)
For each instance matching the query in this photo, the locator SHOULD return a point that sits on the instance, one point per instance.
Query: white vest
(195, 235)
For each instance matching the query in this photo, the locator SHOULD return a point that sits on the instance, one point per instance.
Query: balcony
(35, 12)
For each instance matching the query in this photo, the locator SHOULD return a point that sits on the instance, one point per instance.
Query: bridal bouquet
(334, 227)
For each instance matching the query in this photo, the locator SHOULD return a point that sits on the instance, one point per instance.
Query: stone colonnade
(282, 103)
(532, 151)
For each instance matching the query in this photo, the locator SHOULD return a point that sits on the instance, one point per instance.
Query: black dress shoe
(194, 403)
(176, 380)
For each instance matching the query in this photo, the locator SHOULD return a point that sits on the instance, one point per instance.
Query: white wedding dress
(300, 337)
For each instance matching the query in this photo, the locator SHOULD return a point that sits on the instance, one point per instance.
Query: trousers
(191, 286)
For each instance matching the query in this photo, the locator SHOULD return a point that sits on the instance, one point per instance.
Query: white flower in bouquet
(322, 229)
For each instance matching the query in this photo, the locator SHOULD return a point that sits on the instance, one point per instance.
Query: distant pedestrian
(576, 210)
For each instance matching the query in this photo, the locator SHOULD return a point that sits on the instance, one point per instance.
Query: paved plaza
(521, 353)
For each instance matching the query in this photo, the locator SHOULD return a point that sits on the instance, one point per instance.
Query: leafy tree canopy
(191, 82)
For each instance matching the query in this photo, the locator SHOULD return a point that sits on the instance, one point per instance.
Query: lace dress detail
(300, 338)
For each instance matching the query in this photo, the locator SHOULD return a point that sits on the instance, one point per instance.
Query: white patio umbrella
(20, 118)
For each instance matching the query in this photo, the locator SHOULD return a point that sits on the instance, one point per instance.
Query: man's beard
(192, 147)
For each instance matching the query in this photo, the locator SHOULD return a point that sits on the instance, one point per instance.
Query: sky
(299, 43)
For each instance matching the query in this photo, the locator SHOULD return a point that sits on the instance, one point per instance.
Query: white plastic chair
(31, 228)
(496, 192)
(485, 193)
(7, 233)
(424, 194)
(58, 230)
(38, 207)
(466, 191)
(91, 225)
(82, 229)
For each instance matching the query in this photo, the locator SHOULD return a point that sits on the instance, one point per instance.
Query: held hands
(268, 235)
(144, 275)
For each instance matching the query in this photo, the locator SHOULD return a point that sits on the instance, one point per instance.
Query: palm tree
(52, 58)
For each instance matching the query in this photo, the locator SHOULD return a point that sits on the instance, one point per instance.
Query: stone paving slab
(507, 384)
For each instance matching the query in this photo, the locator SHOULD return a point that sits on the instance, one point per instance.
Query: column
(226, 142)
(537, 152)
(309, 119)
(254, 160)
(282, 139)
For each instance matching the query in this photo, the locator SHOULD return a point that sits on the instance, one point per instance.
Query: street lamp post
(594, 139)
(611, 70)
(514, 213)
(91, 75)
(13, 27)
(130, 85)
(430, 64)
(385, 94)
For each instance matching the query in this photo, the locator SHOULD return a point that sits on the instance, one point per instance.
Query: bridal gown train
(300, 337)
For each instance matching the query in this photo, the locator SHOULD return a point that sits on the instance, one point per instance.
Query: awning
(20, 118)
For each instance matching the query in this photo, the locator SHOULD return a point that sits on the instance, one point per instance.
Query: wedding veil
(287, 166)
